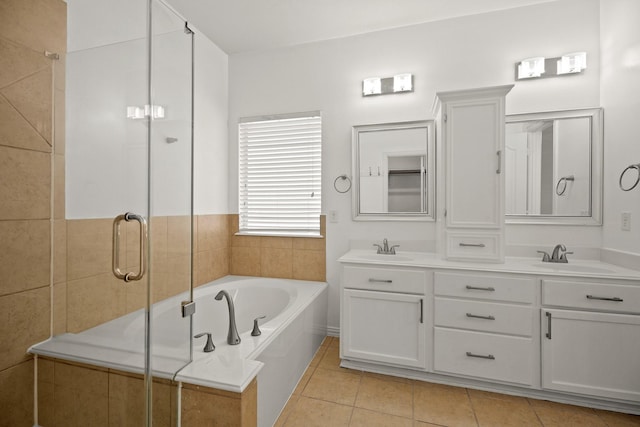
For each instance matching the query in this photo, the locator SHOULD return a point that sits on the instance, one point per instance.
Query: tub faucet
(232, 337)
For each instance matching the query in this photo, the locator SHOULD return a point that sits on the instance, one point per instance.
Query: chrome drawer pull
(380, 281)
(616, 299)
(479, 288)
(478, 316)
(474, 245)
(548, 334)
(481, 356)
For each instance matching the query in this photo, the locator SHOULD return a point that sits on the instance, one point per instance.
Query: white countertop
(574, 268)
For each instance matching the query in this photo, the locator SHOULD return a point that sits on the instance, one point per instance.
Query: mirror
(393, 171)
(553, 167)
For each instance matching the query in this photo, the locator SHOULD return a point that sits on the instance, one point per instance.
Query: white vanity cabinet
(591, 338)
(383, 315)
(484, 327)
(471, 131)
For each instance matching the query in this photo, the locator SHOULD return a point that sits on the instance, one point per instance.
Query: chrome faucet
(232, 337)
(558, 255)
(385, 249)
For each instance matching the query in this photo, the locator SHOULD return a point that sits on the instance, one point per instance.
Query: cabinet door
(383, 327)
(596, 354)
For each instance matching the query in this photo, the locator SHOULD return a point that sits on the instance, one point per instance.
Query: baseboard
(333, 331)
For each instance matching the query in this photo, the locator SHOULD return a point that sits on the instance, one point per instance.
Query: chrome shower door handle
(499, 154)
(115, 258)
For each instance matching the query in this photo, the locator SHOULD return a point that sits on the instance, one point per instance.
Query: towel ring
(563, 180)
(343, 178)
(628, 168)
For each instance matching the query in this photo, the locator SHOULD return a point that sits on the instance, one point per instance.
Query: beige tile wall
(31, 149)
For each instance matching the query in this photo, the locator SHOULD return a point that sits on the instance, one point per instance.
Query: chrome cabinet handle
(481, 356)
(371, 280)
(115, 258)
(499, 154)
(478, 316)
(616, 299)
(421, 310)
(548, 334)
(479, 288)
(473, 245)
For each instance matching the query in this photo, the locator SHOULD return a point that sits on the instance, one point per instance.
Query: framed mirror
(393, 168)
(553, 167)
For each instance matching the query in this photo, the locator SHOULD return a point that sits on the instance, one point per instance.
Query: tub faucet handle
(208, 347)
(256, 330)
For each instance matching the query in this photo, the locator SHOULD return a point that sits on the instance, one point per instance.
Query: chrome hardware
(559, 254)
(233, 338)
(421, 310)
(548, 334)
(188, 308)
(628, 168)
(499, 154)
(563, 180)
(474, 245)
(481, 356)
(256, 330)
(384, 248)
(208, 347)
(478, 316)
(478, 288)
(545, 256)
(616, 299)
(115, 259)
(380, 280)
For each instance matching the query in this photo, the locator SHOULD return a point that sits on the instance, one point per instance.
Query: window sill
(310, 234)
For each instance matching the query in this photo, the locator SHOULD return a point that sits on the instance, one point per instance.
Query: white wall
(454, 54)
(620, 95)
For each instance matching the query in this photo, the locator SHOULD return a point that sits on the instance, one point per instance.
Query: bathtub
(292, 331)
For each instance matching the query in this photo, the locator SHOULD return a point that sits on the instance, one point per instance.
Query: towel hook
(563, 180)
(628, 168)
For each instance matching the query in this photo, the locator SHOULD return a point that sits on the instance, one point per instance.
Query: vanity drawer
(591, 295)
(385, 279)
(485, 286)
(484, 316)
(474, 246)
(482, 355)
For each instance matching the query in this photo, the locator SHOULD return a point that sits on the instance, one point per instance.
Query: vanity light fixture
(541, 67)
(572, 63)
(531, 67)
(382, 86)
(153, 111)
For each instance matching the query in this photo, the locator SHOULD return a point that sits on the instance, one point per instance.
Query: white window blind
(280, 174)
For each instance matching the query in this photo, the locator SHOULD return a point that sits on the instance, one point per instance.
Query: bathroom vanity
(564, 332)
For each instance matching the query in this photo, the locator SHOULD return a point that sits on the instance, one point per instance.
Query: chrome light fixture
(153, 111)
(541, 67)
(531, 67)
(572, 63)
(382, 86)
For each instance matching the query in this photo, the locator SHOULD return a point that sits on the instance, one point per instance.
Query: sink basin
(575, 268)
(383, 257)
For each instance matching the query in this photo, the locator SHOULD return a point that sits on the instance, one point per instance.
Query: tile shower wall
(29, 222)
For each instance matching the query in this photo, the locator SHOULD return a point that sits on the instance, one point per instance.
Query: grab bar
(115, 258)
(628, 168)
(564, 180)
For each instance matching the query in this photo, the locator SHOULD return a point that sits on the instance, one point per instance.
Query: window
(280, 174)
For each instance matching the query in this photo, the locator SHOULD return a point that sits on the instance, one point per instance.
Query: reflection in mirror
(393, 170)
(553, 167)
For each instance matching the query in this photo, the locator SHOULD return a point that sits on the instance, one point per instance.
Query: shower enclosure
(129, 178)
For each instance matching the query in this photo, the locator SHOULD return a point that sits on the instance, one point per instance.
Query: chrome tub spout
(232, 337)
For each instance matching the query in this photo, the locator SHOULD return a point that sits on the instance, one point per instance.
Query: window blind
(280, 174)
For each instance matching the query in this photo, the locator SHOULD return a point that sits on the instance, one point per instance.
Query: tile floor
(329, 395)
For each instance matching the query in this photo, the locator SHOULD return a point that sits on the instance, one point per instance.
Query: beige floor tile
(422, 424)
(304, 380)
(311, 412)
(492, 411)
(318, 356)
(556, 414)
(366, 418)
(331, 358)
(333, 386)
(287, 410)
(441, 404)
(617, 419)
(390, 397)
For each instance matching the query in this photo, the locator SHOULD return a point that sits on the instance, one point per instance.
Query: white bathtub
(294, 327)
